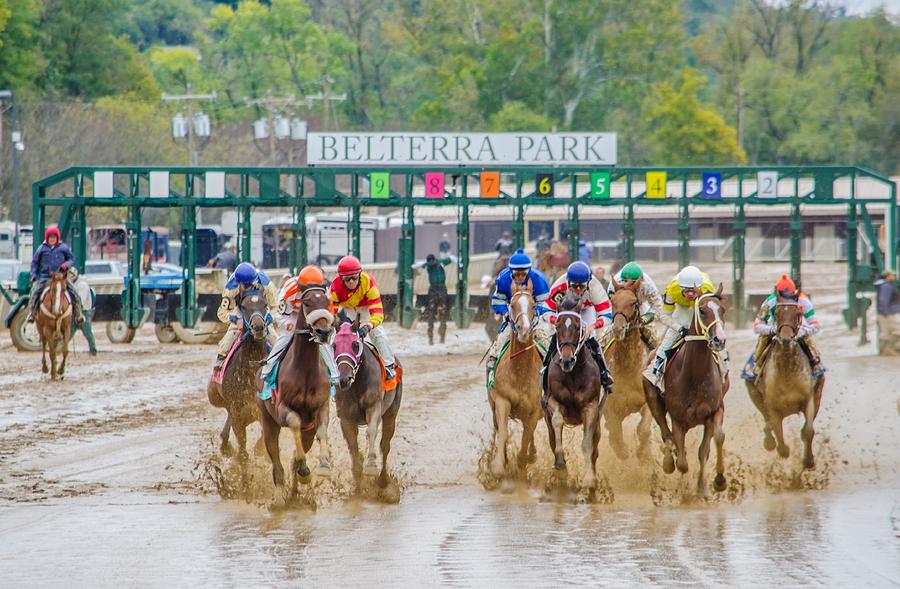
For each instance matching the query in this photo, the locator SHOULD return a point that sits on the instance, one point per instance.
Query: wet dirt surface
(113, 477)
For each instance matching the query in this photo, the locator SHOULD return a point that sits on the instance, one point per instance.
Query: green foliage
(20, 60)
(176, 67)
(516, 116)
(162, 22)
(683, 132)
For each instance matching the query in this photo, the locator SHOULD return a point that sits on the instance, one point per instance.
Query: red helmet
(786, 287)
(349, 266)
(52, 230)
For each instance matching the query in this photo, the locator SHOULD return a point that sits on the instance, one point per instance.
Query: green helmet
(631, 271)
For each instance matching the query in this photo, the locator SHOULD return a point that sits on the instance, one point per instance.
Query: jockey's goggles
(690, 291)
(520, 274)
(787, 294)
(353, 278)
(578, 285)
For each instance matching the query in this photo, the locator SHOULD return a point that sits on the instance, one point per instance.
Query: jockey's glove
(363, 331)
(233, 319)
(647, 318)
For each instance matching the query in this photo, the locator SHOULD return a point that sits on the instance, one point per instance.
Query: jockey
(648, 297)
(286, 317)
(245, 278)
(52, 256)
(520, 273)
(596, 313)
(765, 327)
(355, 292)
(677, 313)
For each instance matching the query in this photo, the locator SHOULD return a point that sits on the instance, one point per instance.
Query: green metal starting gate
(187, 188)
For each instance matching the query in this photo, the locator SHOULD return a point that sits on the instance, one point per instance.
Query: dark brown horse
(627, 355)
(787, 385)
(235, 389)
(301, 399)
(575, 395)
(53, 320)
(694, 391)
(361, 401)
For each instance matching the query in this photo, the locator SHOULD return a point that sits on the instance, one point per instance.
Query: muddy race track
(113, 478)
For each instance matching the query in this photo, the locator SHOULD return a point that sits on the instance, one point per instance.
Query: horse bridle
(699, 326)
(267, 318)
(512, 324)
(632, 320)
(355, 361)
(311, 318)
(581, 339)
(794, 328)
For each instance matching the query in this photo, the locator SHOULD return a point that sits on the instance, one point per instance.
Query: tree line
(690, 82)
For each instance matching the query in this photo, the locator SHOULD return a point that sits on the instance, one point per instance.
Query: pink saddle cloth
(218, 374)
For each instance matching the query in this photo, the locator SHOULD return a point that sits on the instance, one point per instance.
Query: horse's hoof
(719, 483)
(769, 443)
(784, 451)
(560, 465)
(370, 470)
(44, 369)
(682, 467)
(668, 464)
(324, 470)
(809, 462)
(303, 473)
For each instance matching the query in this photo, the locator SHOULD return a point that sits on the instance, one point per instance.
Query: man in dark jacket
(886, 294)
(52, 256)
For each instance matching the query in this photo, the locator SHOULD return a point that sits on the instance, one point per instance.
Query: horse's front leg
(657, 408)
(678, 433)
(44, 368)
(65, 355)
(590, 424)
(501, 435)
(373, 420)
(225, 447)
(719, 436)
(52, 351)
(643, 433)
(324, 468)
(808, 432)
(703, 455)
(556, 423)
(526, 451)
(293, 421)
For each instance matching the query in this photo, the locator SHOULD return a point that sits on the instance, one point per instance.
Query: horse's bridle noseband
(701, 327)
(315, 315)
(794, 328)
(631, 321)
(581, 339)
(513, 319)
(267, 318)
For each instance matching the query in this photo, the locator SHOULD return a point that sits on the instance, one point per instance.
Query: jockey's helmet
(578, 273)
(631, 271)
(690, 277)
(520, 266)
(52, 230)
(310, 275)
(245, 273)
(786, 287)
(349, 266)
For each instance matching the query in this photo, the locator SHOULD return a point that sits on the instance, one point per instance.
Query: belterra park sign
(452, 149)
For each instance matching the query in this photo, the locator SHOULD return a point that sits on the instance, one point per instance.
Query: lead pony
(54, 324)
(301, 398)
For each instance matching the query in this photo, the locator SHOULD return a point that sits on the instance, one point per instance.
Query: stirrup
(390, 371)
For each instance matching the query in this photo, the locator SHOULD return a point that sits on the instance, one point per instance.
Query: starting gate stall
(864, 194)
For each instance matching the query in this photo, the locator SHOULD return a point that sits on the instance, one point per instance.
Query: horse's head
(255, 313)
(315, 316)
(788, 318)
(569, 331)
(709, 319)
(626, 307)
(348, 353)
(521, 311)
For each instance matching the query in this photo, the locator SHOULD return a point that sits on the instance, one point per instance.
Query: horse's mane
(570, 303)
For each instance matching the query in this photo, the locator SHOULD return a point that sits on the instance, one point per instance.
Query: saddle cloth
(387, 385)
(218, 374)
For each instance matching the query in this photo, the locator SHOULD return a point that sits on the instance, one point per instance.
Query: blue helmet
(520, 261)
(578, 273)
(245, 273)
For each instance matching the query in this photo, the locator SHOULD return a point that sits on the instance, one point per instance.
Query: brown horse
(301, 399)
(575, 395)
(627, 355)
(362, 401)
(694, 391)
(787, 385)
(54, 324)
(491, 324)
(516, 384)
(236, 389)
(553, 260)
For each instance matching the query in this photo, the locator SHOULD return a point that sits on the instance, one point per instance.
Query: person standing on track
(437, 307)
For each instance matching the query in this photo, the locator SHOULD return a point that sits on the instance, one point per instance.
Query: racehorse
(787, 385)
(575, 395)
(627, 355)
(362, 401)
(694, 391)
(301, 398)
(235, 388)
(54, 324)
(516, 383)
(553, 260)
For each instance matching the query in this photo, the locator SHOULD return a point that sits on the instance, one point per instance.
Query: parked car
(103, 270)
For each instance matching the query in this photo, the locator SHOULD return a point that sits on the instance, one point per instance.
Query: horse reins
(701, 327)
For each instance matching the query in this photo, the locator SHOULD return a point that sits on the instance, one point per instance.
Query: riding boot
(78, 309)
(812, 353)
(760, 353)
(34, 301)
(220, 360)
(605, 377)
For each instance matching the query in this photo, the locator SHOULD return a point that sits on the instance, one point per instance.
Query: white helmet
(690, 277)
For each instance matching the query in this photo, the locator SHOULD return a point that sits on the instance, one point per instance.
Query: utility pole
(325, 96)
(274, 107)
(17, 146)
(193, 156)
